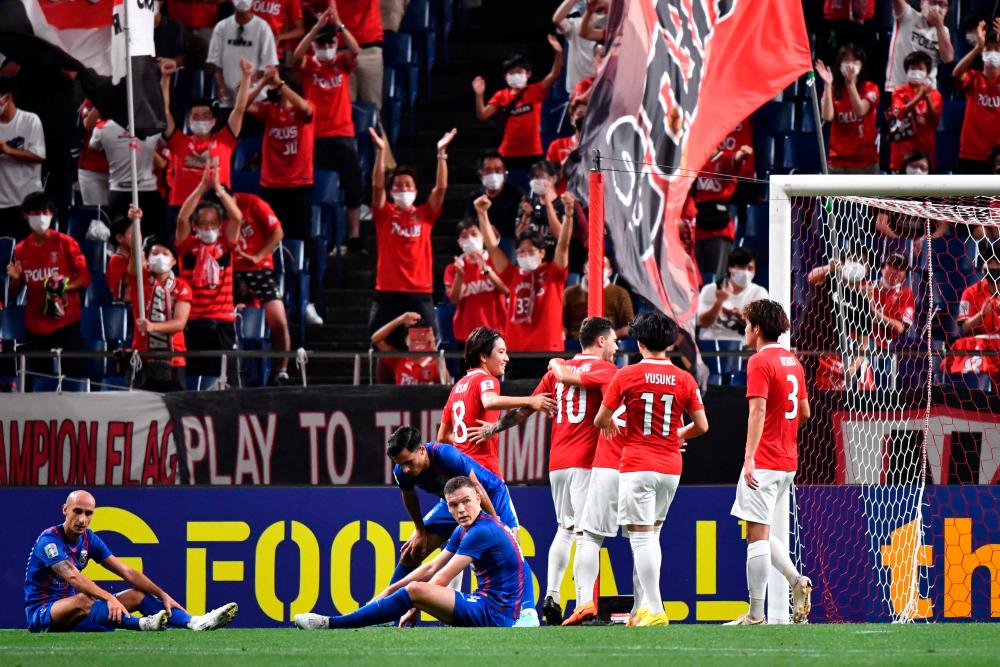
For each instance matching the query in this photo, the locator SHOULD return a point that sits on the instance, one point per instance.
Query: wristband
(442, 156)
(341, 28)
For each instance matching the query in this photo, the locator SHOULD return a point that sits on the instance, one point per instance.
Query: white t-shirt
(112, 138)
(579, 53)
(18, 178)
(719, 330)
(229, 44)
(910, 32)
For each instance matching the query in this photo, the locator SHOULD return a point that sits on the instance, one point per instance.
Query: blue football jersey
(496, 560)
(447, 462)
(41, 584)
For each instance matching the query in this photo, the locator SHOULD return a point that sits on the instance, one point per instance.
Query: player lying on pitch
(480, 540)
(60, 598)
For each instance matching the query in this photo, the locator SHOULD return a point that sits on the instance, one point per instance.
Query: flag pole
(133, 145)
(595, 251)
(811, 82)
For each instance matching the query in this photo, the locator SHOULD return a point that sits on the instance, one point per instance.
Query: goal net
(902, 370)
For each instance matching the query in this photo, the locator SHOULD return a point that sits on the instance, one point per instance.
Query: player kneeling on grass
(776, 390)
(60, 598)
(480, 540)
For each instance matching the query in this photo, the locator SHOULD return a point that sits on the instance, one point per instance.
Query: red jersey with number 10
(775, 375)
(574, 436)
(464, 408)
(655, 393)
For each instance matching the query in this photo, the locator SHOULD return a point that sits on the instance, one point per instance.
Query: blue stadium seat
(326, 187)
(246, 181)
(96, 253)
(442, 18)
(805, 118)
(251, 329)
(572, 279)
(6, 251)
(764, 152)
(79, 218)
(294, 254)
(952, 116)
(970, 380)
(91, 323)
(444, 314)
(775, 118)
(364, 116)
(755, 220)
(392, 117)
(97, 293)
(246, 150)
(12, 325)
(200, 382)
(417, 17)
(390, 86)
(397, 49)
(799, 152)
(721, 366)
(117, 320)
(252, 325)
(947, 152)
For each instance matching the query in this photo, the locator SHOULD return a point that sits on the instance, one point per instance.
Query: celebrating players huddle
(615, 462)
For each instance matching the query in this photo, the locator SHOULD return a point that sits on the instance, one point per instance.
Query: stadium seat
(775, 118)
(755, 220)
(97, 293)
(805, 119)
(970, 380)
(326, 187)
(96, 368)
(442, 18)
(91, 323)
(952, 116)
(555, 118)
(117, 321)
(96, 253)
(721, 366)
(763, 148)
(444, 314)
(573, 279)
(417, 17)
(392, 117)
(800, 153)
(251, 328)
(246, 181)
(397, 49)
(246, 151)
(6, 250)
(200, 382)
(12, 325)
(252, 325)
(947, 152)
(79, 218)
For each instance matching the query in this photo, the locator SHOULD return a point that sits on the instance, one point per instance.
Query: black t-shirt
(505, 209)
(540, 218)
(168, 37)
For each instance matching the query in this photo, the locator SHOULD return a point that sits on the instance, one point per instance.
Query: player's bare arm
(140, 582)
(698, 426)
(755, 428)
(82, 583)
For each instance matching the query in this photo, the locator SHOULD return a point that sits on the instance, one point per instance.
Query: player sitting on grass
(779, 404)
(480, 540)
(60, 598)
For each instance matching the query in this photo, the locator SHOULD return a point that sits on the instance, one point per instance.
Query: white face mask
(242, 5)
(517, 81)
(915, 171)
(326, 54)
(201, 127)
(160, 264)
(529, 262)
(538, 186)
(471, 245)
(991, 58)
(853, 272)
(404, 199)
(741, 277)
(916, 76)
(492, 181)
(208, 236)
(40, 223)
(849, 67)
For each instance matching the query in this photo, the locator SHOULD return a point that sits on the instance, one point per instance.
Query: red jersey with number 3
(462, 412)
(775, 375)
(853, 139)
(655, 394)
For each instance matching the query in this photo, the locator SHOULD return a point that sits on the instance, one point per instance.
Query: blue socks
(400, 572)
(380, 611)
(151, 605)
(98, 620)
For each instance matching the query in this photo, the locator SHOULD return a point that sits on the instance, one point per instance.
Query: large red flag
(680, 74)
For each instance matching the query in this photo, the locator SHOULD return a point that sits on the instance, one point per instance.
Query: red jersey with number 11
(775, 375)
(462, 412)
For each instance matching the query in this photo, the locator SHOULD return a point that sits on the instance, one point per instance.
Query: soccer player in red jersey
(475, 400)
(419, 338)
(779, 404)
(655, 394)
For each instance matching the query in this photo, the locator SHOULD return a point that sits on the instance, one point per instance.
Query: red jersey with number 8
(462, 412)
(775, 375)
(655, 394)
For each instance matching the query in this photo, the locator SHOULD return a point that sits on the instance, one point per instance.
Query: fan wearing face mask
(419, 338)
(543, 211)
(51, 266)
(518, 107)
(505, 196)
(474, 286)
(981, 125)
(917, 30)
(916, 107)
(206, 240)
(979, 309)
(849, 104)
(22, 152)
(720, 304)
(404, 278)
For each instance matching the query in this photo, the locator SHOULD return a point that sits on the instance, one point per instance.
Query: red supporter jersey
(775, 375)
(194, 13)
(409, 370)
(287, 150)
(91, 159)
(973, 299)
(482, 304)
(987, 363)
(717, 187)
(981, 126)
(363, 18)
(463, 410)
(535, 314)
(609, 452)
(325, 85)
(178, 291)
(741, 135)
(896, 303)
(278, 13)
(849, 10)
(581, 88)
(852, 139)
(923, 120)
(57, 255)
(116, 277)
(259, 224)
(190, 154)
(522, 135)
(560, 149)
(211, 300)
(574, 436)
(405, 262)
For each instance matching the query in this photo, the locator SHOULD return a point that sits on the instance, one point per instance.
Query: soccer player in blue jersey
(60, 598)
(480, 540)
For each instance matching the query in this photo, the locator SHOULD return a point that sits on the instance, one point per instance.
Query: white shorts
(569, 491)
(600, 509)
(758, 506)
(644, 497)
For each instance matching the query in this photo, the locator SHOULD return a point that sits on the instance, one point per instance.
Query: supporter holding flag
(117, 270)
(916, 107)
(504, 195)
(981, 126)
(92, 171)
(850, 102)
(473, 285)
(914, 30)
(22, 152)
(240, 38)
(419, 338)
(113, 140)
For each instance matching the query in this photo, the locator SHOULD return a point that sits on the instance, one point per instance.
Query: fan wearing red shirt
(916, 107)
(850, 103)
(979, 309)
(655, 394)
(473, 285)
(364, 19)
(92, 169)
(324, 75)
(206, 263)
(117, 270)
(560, 149)
(404, 279)
(285, 19)
(779, 405)
(981, 126)
(470, 416)
(535, 314)
(419, 338)
(715, 230)
(520, 107)
(51, 266)
(893, 303)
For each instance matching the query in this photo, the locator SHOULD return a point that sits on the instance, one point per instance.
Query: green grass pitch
(951, 644)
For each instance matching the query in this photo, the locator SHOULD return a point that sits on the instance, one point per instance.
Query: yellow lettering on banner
(960, 561)
(197, 558)
(608, 584)
(705, 555)
(340, 562)
(567, 589)
(264, 574)
(903, 556)
(127, 524)
(719, 610)
(227, 570)
(385, 555)
(267, 545)
(528, 549)
(308, 570)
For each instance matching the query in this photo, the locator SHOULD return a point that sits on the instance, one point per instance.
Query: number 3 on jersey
(461, 433)
(793, 396)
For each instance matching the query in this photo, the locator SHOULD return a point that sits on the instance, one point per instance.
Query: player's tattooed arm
(486, 430)
(68, 573)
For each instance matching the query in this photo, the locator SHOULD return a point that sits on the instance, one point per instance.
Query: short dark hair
(514, 61)
(549, 168)
(326, 35)
(456, 483)
(533, 236)
(479, 342)
(769, 316)
(465, 223)
(161, 240)
(404, 437)
(209, 203)
(914, 156)
(118, 227)
(201, 102)
(37, 201)
(401, 170)
(654, 330)
(490, 155)
(741, 256)
(918, 58)
(593, 328)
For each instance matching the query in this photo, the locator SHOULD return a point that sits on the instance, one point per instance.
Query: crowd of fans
(287, 71)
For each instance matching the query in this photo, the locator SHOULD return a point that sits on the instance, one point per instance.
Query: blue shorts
(475, 611)
(440, 522)
(40, 620)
